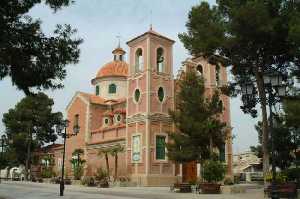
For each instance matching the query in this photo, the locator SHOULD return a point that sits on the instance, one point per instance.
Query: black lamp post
(3, 139)
(62, 130)
(275, 88)
(4, 142)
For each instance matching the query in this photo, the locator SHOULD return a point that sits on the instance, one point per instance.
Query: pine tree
(31, 58)
(253, 37)
(30, 125)
(197, 120)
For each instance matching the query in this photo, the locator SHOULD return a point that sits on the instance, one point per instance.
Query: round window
(161, 94)
(137, 95)
(106, 120)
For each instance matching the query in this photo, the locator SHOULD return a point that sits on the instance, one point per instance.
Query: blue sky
(98, 23)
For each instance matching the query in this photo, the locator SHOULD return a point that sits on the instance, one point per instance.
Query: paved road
(21, 190)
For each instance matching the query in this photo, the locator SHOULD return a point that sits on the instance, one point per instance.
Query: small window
(137, 95)
(97, 90)
(76, 120)
(160, 60)
(105, 121)
(121, 57)
(217, 74)
(160, 147)
(199, 70)
(222, 153)
(161, 94)
(112, 88)
(118, 118)
(139, 63)
(136, 148)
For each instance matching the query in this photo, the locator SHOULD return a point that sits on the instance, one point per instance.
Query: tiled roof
(94, 99)
(152, 32)
(113, 69)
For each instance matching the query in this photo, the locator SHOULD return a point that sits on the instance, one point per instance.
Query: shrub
(47, 173)
(78, 172)
(228, 181)
(280, 177)
(40, 180)
(88, 181)
(101, 174)
(67, 181)
(292, 174)
(213, 171)
(55, 180)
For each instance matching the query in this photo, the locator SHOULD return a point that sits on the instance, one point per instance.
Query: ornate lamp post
(62, 130)
(275, 88)
(3, 139)
(4, 142)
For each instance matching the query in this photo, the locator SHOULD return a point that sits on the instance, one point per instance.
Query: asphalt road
(23, 190)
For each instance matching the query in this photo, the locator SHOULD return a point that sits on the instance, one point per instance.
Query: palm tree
(105, 152)
(114, 152)
(78, 153)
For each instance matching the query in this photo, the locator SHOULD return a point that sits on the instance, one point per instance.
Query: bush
(67, 181)
(40, 180)
(33, 179)
(78, 172)
(101, 174)
(228, 181)
(280, 177)
(55, 180)
(88, 181)
(47, 173)
(213, 171)
(292, 174)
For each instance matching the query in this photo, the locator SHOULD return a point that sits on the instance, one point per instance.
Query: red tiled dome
(114, 68)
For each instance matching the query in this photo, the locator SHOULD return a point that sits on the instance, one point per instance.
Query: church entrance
(189, 172)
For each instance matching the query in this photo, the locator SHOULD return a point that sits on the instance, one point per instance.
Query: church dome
(114, 68)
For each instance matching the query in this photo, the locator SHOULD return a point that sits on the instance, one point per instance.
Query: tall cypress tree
(197, 121)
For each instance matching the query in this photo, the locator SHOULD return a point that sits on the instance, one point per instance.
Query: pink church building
(130, 106)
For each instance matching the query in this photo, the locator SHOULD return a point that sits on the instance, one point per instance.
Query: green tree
(196, 118)
(31, 58)
(77, 163)
(104, 152)
(30, 124)
(291, 107)
(255, 37)
(114, 151)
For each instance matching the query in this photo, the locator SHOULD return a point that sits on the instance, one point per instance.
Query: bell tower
(150, 96)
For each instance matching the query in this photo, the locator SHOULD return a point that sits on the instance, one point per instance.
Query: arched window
(218, 75)
(199, 69)
(139, 62)
(160, 60)
(161, 94)
(76, 120)
(112, 88)
(97, 90)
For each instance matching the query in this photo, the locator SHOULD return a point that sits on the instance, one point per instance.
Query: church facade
(129, 107)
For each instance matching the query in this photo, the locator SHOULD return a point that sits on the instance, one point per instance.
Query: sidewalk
(136, 192)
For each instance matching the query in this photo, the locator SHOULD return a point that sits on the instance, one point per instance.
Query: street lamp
(274, 86)
(65, 135)
(3, 139)
(4, 142)
(273, 82)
